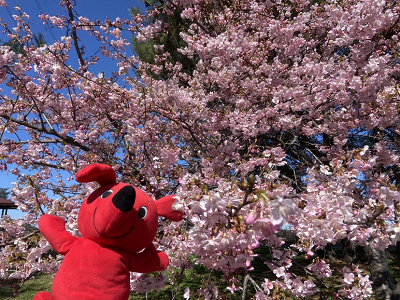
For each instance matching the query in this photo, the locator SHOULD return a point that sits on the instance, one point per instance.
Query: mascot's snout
(124, 199)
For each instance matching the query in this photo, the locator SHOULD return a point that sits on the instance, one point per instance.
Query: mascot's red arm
(149, 260)
(53, 228)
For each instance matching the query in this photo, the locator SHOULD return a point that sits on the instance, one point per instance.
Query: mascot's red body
(117, 221)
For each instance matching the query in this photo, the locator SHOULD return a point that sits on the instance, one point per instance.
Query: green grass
(193, 279)
(28, 289)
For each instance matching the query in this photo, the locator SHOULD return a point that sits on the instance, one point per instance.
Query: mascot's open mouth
(102, 234)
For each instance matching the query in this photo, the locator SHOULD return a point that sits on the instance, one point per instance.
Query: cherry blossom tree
(289, 120)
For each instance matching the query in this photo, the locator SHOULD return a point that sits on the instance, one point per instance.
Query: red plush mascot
(118, 223)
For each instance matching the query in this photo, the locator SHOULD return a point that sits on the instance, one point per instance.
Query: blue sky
(99, 10)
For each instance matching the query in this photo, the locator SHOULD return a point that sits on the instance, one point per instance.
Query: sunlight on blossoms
(281, 210)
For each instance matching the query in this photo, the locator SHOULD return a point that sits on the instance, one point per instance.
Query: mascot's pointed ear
(102, 174)
(165, 208)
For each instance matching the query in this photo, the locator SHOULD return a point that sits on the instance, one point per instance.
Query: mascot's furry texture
(117, 221)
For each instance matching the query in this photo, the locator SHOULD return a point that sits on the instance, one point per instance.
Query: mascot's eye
(106, 194)
(142, 212)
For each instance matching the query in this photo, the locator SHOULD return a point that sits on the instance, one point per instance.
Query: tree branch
(74, 35)
(67, 139)
(245, 281)
(23, 237)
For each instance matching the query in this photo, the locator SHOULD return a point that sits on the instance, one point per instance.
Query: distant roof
(7, 203)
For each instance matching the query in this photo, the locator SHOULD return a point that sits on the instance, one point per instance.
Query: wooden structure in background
(6, 205)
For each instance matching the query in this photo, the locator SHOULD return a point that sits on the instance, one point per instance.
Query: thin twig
(74, 35)
(255, 285)
(179, 281)
(23, 237)
(67, 139)
(23, 282)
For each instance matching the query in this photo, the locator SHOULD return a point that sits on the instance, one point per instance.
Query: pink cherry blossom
(281, 209)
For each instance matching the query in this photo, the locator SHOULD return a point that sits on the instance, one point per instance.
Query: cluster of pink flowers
(356, 285)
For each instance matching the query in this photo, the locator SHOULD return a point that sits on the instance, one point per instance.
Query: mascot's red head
(119, 215)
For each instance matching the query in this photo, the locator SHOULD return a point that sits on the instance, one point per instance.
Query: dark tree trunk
(327, 252)
(396, 292)
(349, 251)
(330, 253)
(388, 254)
(353, 253)
(380, 274)
(398, 251)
